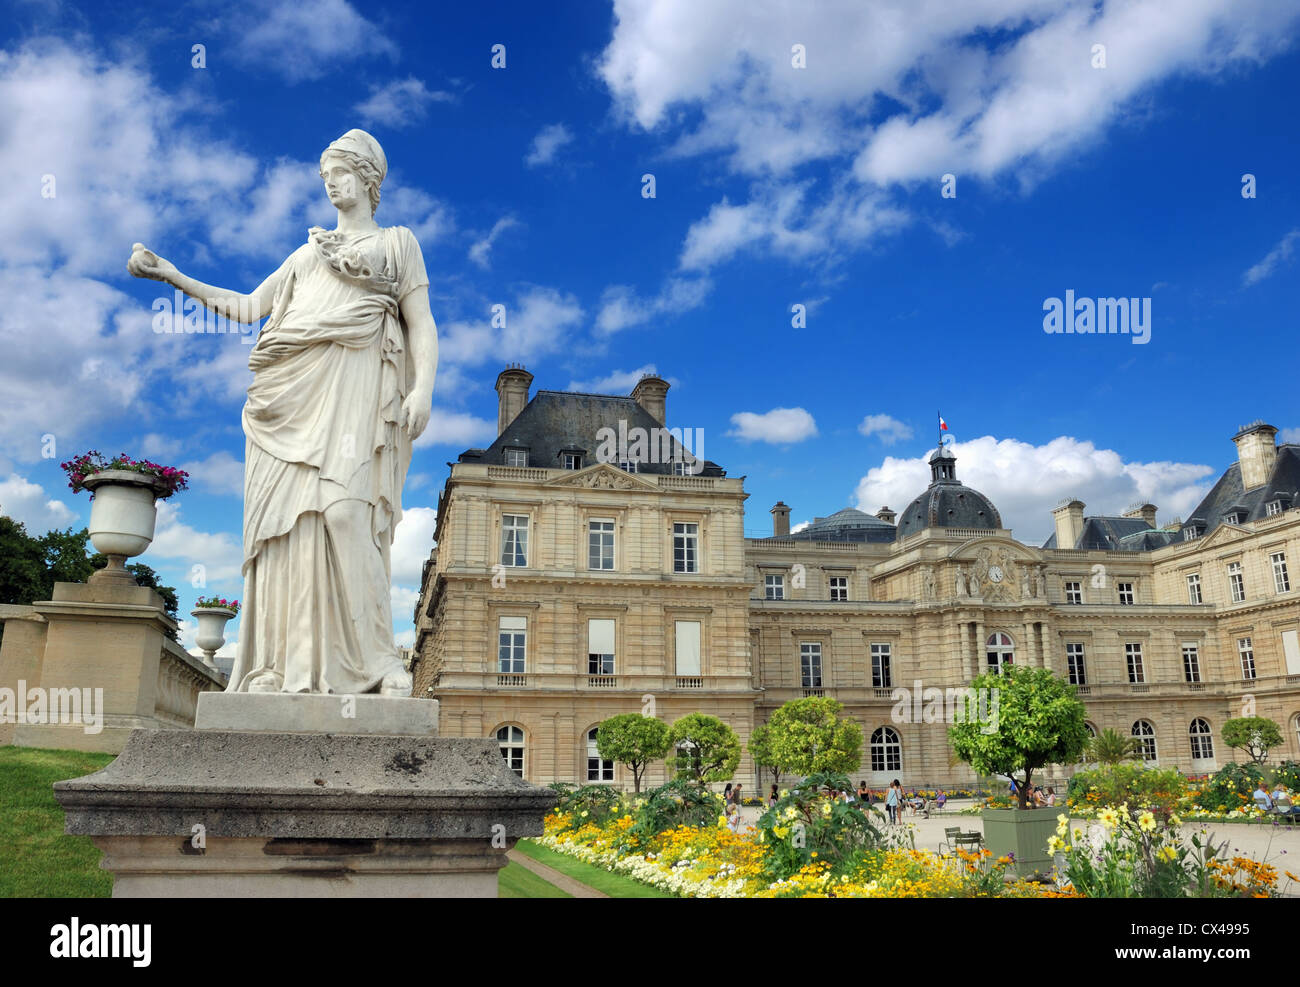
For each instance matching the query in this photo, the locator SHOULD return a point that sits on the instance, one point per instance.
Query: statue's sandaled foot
(396, 684)
(264, 682)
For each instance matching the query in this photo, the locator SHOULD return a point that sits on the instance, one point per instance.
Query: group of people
(732, 796)
(1278, 802)
(1037, 797)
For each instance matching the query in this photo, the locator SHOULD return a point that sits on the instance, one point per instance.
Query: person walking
(771, 797)
(893, 801)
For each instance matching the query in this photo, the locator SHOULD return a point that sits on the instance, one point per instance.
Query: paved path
(552, 876)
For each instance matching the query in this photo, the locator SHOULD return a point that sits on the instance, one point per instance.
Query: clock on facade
(995, 573)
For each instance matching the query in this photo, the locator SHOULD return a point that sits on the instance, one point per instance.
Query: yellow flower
(1108, 817)
(722, 822)
(1147, 822)
(1174, 820)
(1167, 854)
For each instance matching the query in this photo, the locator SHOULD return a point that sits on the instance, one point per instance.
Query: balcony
(690, 682)
(602, 681)
(512, 681)
(812, 693)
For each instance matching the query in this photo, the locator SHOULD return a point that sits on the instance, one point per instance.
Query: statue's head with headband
(365, 157)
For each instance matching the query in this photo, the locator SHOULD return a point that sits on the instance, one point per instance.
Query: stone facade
(855, 617)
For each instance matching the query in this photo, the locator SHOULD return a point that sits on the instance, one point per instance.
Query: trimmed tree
(707, 750)
(633, 740)
(762, 754)
(1036, 720)
(1253, 735)
(808, 736)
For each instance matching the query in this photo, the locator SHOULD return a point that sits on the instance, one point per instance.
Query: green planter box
(1024, 833)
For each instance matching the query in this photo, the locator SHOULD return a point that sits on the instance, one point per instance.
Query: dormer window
(1193, 531)
(1273, 508)
(628, 466)
(1234, 517)
(572, 461)
(516, 457)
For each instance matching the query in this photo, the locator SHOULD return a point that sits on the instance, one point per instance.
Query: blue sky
(775, 185)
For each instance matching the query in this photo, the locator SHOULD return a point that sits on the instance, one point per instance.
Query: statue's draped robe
(323, 427)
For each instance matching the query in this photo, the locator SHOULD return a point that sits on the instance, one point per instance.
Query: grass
(614, 885)
(37, 859)
(517, 881)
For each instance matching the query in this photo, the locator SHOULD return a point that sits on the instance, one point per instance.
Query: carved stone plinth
(216, 813)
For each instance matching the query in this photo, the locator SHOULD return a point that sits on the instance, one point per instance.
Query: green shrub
(681, 802)
(1287, 773)
(1158, 789)
(590, 803)
(1231, 787)
(807, 824)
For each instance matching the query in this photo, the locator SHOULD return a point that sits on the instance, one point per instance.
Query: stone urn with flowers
(212, 613)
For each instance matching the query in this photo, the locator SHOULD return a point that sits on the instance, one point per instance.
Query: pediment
(603, 476)
(994, 544)
(1222, 533)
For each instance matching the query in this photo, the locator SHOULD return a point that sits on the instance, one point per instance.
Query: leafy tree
(707, 749)
(808, 736)
(633, 740)
(1038, 721)
(762, 753)
(22, 565)
(1111, 747)
(1255, 736)
(66, 561)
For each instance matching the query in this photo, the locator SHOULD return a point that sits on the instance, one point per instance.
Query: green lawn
(614, 885)
(37, 860)
(517, 881)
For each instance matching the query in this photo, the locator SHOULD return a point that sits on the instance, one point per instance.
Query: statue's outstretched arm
(422, 338)
(234, 305)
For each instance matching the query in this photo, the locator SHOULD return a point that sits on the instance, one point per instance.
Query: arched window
(1092, 735)
(598, 769)
(511, 739)
(1297, 731)
(1001, 652)
(1146, 735)
(1202, 740)
(886, 750)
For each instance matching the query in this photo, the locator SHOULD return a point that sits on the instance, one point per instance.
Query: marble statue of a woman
(343, 382)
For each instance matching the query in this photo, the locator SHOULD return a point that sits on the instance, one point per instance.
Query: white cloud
(305, 39)
(1290, 435)
(779, 425)
(221, 556)
(455, 428)
(1026, 481)
(406, 638)
(621, 307)
(429, 218)
(617, 382)
(547, 143)
(404, 599)
(898, 91)
(27, 502)
(400, 103)
(155, 446)
(482, 248)
(1279, 254)
(220, 473)
(412, 543)
(889, 429)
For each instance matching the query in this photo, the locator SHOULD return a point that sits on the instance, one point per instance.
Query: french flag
(943, 425)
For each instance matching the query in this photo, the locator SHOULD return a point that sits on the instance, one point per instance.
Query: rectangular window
(1133, 653)
(774, 587)
(1281, 578)
(1074, 664)
(1194, 589)
(1125, 594)
(628, 466)
(600, 647)
(810, 664)
(681, 468)
(1272, 507)
(1291, 651)
(881, 675)
(1190, 534)
(686, 538)
(1236, 583)
(1073, 593)
(516, 457)
(1191, 663)
(512, 639)
(688, 648)
(1247, 653)
(572, 461)
(600, 544)
(839, 589)
(514, 539)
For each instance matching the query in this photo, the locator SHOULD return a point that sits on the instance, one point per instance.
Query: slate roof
(947, 502)
(556, 422)
(1119, 534)
(1283, 483)
(849, 524)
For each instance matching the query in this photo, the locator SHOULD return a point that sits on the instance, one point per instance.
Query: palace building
(565, 589)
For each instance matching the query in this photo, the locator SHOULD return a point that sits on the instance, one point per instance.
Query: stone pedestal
(223, 813)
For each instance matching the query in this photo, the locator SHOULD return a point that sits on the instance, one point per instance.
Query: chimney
(650, 393)
(1147, 512)
(1069, 523)
(1256, 453)
(512, 394)
(780, 519)
(886, 515)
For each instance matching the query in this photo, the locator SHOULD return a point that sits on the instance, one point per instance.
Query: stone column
(981, 644)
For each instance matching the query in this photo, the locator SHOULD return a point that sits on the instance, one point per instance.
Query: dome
(847, 525)
(947, 503)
